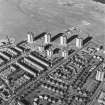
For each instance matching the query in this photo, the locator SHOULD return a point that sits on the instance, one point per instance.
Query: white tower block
(41, 48)
(63, 40)
(100, 76)
(47, 38)
(65, 54)
(79, 42)
(30, 37)
(49, 53)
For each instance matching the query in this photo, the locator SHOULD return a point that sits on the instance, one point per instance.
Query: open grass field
(17, 17)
